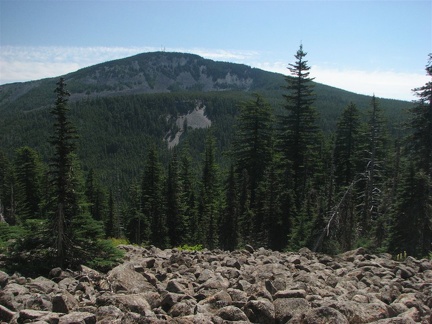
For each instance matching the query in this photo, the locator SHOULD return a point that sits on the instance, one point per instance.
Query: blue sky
(366, 47)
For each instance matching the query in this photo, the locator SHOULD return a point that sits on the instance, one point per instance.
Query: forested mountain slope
(120, 106)
(259, 158)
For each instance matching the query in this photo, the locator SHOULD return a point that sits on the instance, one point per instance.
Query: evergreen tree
(72, 234)
(153, 199)
(209, 199)
(411, 229)
(253, 138)
(137, 224)
(348, 167)
(96, 196)
(175, 209)
(376, 152)
(421, 125)
(28, 171)
(412, 219)
(65, 202)
(298, 129)
(7, 199)
(346, 157)
(228, 229)
(111, 221)
(189, 196)
(270, 226)
(246, 211)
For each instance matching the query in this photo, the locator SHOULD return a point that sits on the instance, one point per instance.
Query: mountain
(158, 72)
(121, 106)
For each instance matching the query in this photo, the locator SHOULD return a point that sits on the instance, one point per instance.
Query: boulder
(125, 278)
(30, 315)
(64, 303)
(6, 314)
(232, 313)
(260, 311)
(287, 308)
(14, 296)
(109, 314)
(362, 313)
(136, 303)
(42, 285)
(4, 278)
(184, 308)
(320, 315)
(78, 318)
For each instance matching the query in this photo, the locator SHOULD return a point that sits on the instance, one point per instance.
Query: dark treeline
(286, 184)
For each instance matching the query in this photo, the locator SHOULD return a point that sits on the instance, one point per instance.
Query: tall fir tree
(189, 196)
(153, 201)
(298, 129)
(421, 125)
(253, 140)
(96, 196)
(375, 148)
(209, 199)
(299, 146)
(348, 169)
(77, 238)
(270, 225)
(175, 204)
(411, 230)
(65, 204)
(347, 160)
(228, 228)
(137, 224)
(412, 219)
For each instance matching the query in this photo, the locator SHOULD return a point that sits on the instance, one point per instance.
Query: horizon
(364, 47)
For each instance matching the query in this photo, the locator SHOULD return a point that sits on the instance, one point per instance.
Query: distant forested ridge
(286, 162)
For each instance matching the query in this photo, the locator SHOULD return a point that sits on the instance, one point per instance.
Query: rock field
(245, 286)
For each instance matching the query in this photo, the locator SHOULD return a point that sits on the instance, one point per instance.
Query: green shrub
(9, 234)
(108, 257)
(119, 241)
(187, 247)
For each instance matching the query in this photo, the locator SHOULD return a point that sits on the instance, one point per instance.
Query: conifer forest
(281, 172)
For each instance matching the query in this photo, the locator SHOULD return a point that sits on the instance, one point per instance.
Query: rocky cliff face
(248, 286)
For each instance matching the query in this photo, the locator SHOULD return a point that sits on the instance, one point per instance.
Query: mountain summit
(156, 72)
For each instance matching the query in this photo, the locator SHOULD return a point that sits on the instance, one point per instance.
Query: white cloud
(384, 84)
(19, 64)
(17, 71)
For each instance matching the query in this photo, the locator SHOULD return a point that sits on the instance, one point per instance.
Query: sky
(370, 47)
